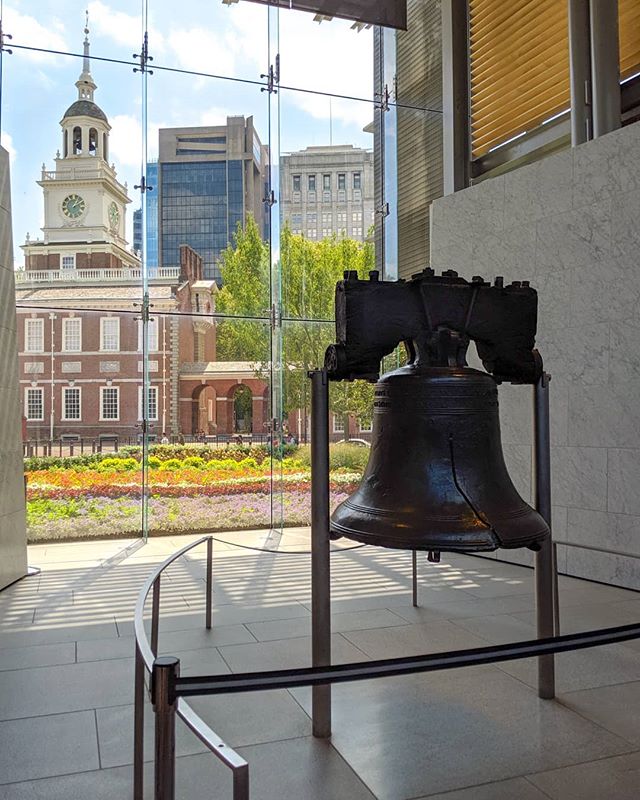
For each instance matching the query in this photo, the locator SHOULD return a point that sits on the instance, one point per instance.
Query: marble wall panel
(605, 292)
(606, 167)
(584, 205)
(625, 223)
(605, 416)
(604, 567)
(554, 297)
(579, 477)
(539, 190)
(577, 354)
(624, 481)
(602, 529)
(624, 346)
(578, 236)
(510, 253)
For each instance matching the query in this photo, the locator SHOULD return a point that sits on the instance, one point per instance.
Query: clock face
(114, 216)
(73, 206)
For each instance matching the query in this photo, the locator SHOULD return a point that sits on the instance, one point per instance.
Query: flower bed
(103, 517)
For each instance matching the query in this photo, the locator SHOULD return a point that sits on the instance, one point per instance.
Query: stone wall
(13, 537)
(571, 225)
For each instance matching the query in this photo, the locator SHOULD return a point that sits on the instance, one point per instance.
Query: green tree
(309, 272)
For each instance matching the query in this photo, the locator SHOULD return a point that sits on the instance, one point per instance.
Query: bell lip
(485, 541)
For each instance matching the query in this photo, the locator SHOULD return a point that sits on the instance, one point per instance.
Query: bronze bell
(436, 478)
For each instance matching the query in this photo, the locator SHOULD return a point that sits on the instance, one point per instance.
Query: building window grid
(311, 183)
(152, 403)
(297, 183)
(72, 335)
(34, 404)
(71, 403)
(109, 403)
(69, 262)
(338, 423)
(110, 334)
(152, 334)
(34, 336)
(342, 180)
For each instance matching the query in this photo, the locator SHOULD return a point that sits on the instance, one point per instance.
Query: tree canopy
(304, 279)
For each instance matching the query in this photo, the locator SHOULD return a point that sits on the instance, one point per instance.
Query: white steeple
(85, 82)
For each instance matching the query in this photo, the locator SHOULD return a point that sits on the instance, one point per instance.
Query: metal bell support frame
(546, 588)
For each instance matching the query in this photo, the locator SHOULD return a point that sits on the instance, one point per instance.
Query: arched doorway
(242, 409)
(203, 411)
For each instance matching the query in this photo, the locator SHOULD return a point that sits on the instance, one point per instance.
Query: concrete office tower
(328, 190)
(210, 179)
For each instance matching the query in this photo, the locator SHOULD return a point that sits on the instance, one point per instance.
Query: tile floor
(66, 678)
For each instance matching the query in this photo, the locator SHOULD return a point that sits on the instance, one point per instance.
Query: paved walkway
(66, 678)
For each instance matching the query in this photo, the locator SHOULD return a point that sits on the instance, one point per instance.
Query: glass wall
(180, 220)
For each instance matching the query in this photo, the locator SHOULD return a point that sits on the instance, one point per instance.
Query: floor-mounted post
(545, 575)
(165, 671)
(320, 549)
(138, 727)
(414, 576)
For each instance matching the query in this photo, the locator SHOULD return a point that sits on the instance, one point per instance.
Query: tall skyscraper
(209, 180)
(327, 190)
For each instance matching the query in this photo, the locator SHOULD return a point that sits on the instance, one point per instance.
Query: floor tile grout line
(95, 720)
(535, 786)
(600, 725)
(596, 760)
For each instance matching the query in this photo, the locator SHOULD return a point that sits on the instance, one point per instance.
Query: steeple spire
(85, 83)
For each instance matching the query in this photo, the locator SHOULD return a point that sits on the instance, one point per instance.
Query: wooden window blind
(629, 27)
(519, 54)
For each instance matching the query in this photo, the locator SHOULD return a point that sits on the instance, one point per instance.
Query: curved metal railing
(168, 689)
(146, 656)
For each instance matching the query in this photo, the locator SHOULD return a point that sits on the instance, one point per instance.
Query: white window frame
(338, 423)
(40, 391)
(66, 389)
(103, 321)
(153, 390)
(103, 389)
(365, 427)
(153, 339)
(71, 256)
(65, 335)
(36, 322)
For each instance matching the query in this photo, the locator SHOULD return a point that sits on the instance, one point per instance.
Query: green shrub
(117, 465)
(351, 457)
(154, 462)
(196, 462)
(171, 464)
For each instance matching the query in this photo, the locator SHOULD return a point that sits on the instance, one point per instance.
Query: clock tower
(84, 203)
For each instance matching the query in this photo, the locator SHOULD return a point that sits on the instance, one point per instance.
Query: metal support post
(320, 555)
(209, 598)
(580, 71)
(605, 67)
(241, 783)
(455, 96)
(138, 728)
(165, 671)
(155, 615)
(414, 571)
(544, 562)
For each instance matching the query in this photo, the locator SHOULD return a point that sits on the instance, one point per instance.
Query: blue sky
(206, 36)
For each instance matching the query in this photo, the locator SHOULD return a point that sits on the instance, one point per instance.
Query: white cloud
(7, 143)
(125, 29)
(203, 50)
(305, 63)
(26, 30)
(125, 141)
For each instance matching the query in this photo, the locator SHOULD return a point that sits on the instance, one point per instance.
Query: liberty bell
(436, 479)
